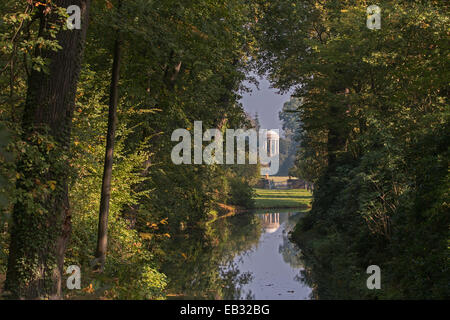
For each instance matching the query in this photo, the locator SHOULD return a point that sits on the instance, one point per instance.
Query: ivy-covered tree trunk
(41, 217)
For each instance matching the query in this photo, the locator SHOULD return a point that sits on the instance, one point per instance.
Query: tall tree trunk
(337, 129)
(102, 240)
(41, 217)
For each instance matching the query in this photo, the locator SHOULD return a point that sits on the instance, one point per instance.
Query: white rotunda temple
(272, 143)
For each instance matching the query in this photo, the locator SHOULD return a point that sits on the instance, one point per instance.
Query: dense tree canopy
(367, 124)
(374, 140)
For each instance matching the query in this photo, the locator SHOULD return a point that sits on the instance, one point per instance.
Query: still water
(249, 257)
(274, 262)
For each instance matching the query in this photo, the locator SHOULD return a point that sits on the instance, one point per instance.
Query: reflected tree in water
(201, 260)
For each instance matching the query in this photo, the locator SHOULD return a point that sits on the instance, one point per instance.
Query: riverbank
(267, 199)
(284, 198)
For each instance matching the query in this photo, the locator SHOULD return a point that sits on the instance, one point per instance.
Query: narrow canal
(251, 257)
(274, 263)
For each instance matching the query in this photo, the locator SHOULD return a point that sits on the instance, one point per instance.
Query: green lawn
(291, 198)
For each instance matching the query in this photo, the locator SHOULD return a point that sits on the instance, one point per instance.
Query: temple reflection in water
(271, 221)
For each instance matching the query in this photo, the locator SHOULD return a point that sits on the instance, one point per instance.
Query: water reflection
(274, 262)
(271, 222)
(248, 256)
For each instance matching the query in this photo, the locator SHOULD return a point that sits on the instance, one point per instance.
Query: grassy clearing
(291, 198)
(280, 178)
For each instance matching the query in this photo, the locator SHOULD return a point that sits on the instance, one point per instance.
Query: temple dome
(272, 135)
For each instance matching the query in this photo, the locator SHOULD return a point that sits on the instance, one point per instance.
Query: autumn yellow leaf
(145, 236)
(52, 184)
(89, 289)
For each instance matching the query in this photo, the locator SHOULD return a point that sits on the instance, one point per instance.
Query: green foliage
(372, 122)
(241, 193)
(374, 141)
(154, 201)
(290, 142)
(130, 272)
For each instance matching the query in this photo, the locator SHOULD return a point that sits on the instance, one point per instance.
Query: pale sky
(266, 101)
